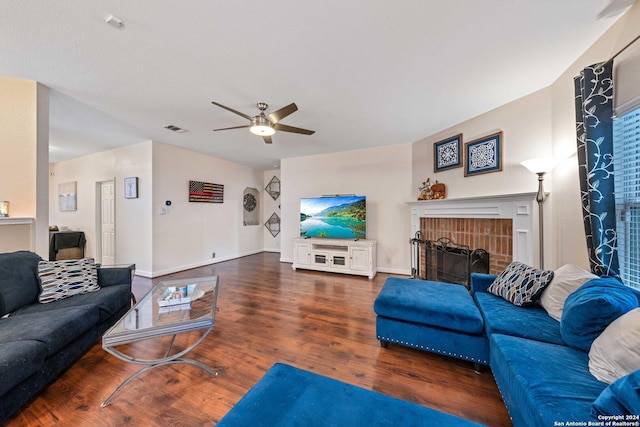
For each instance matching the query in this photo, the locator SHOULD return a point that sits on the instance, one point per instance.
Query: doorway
(106, 222)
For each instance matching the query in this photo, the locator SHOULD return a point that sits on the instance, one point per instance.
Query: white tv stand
(348, 256)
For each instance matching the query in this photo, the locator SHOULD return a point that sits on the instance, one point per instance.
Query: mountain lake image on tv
(334, 217)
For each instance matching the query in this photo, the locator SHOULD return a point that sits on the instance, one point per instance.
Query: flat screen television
(334, 217)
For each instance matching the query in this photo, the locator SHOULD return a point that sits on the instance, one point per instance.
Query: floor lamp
(540, 167)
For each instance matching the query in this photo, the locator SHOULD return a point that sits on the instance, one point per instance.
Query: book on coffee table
(179, 295)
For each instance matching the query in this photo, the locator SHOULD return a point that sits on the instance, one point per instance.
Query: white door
(107, 223)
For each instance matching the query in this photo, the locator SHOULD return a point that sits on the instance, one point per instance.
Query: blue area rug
(288, 396)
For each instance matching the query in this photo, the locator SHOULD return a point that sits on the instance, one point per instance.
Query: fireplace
(443, 260)
(503, 225)
(494, 235)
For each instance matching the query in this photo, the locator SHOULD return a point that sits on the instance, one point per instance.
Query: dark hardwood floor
(321, 322)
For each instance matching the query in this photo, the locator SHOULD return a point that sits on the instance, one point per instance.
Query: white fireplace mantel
(517, 207)
(16, 221)
(17, 234)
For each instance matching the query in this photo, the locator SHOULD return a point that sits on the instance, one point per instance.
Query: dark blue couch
(38, 342)
(542, 380)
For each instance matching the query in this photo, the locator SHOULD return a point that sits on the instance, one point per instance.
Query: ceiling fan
(265, 125)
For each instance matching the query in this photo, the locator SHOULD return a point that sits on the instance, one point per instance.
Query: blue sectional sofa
(39, 341)
(543, 381)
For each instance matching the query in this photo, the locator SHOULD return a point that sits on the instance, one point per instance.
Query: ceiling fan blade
(285, 128)
(267, 139)
(232, 110)
(234, 127)
(280, 114)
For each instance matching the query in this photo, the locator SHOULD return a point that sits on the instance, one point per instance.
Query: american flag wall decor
(206, 192)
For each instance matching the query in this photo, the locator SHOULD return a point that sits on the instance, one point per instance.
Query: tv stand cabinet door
(302, 253)
(340, 261)
(360, 258)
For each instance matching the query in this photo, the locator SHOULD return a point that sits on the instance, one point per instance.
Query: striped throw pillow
(62, 279)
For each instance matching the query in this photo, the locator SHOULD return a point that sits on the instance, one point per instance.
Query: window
(626, 152)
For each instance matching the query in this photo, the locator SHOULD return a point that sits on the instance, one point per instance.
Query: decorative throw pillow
(620, 398)
(520, 284)
(62, 279)
(616, 352)
(566, 280)
(590, 309)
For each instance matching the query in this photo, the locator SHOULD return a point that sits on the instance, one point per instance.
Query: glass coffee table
(170, 308)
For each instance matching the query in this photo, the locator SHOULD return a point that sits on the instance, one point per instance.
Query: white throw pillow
(614, 353)
(566, 279)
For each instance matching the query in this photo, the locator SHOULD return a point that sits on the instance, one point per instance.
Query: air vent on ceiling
(175, 129)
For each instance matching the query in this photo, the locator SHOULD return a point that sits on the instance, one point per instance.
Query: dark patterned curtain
(594, 128)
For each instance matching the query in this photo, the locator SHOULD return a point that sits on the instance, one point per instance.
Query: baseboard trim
(154, 274)
(399, 271)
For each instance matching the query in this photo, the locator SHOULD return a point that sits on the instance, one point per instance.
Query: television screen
(334, 217)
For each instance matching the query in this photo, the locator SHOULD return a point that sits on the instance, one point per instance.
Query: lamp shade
(540, 164)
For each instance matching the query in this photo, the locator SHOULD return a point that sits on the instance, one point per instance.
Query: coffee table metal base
(154, 317)
(152, 363)
(149, 367)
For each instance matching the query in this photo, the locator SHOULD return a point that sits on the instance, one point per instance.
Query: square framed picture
(447, 153)
(483, 155)
(131, 188)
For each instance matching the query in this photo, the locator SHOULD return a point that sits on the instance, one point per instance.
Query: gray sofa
(38, 342)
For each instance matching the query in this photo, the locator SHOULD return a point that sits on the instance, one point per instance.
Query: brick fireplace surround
(504, 225)
(493, 235)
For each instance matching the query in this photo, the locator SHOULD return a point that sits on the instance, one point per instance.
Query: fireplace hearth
(443, 260)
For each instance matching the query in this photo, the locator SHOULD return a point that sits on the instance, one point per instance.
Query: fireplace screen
(443, 260)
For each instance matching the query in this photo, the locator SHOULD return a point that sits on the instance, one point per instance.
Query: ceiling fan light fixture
(262, 130)
(261, 126)
(266, 125)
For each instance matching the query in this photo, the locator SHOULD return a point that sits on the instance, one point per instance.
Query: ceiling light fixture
(261, 126)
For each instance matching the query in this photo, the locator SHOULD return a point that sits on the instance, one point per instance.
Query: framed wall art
(273, 224)
(206, 192)
(483, 155)
(273, 188)
(251, 206)
(131, 188)
(67, 196)
(447, 153)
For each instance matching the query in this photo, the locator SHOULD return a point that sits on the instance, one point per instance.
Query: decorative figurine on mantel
(428, 191)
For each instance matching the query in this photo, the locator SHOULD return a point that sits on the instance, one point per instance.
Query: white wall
(133, 216)
(162, 239)
(269, 207)
(18, 118)
(539, 124)
(185, 234)
(24, 119)
(567, 217)
(383, 175)
(526, 127)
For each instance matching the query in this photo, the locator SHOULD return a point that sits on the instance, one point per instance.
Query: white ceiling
(363, 73)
